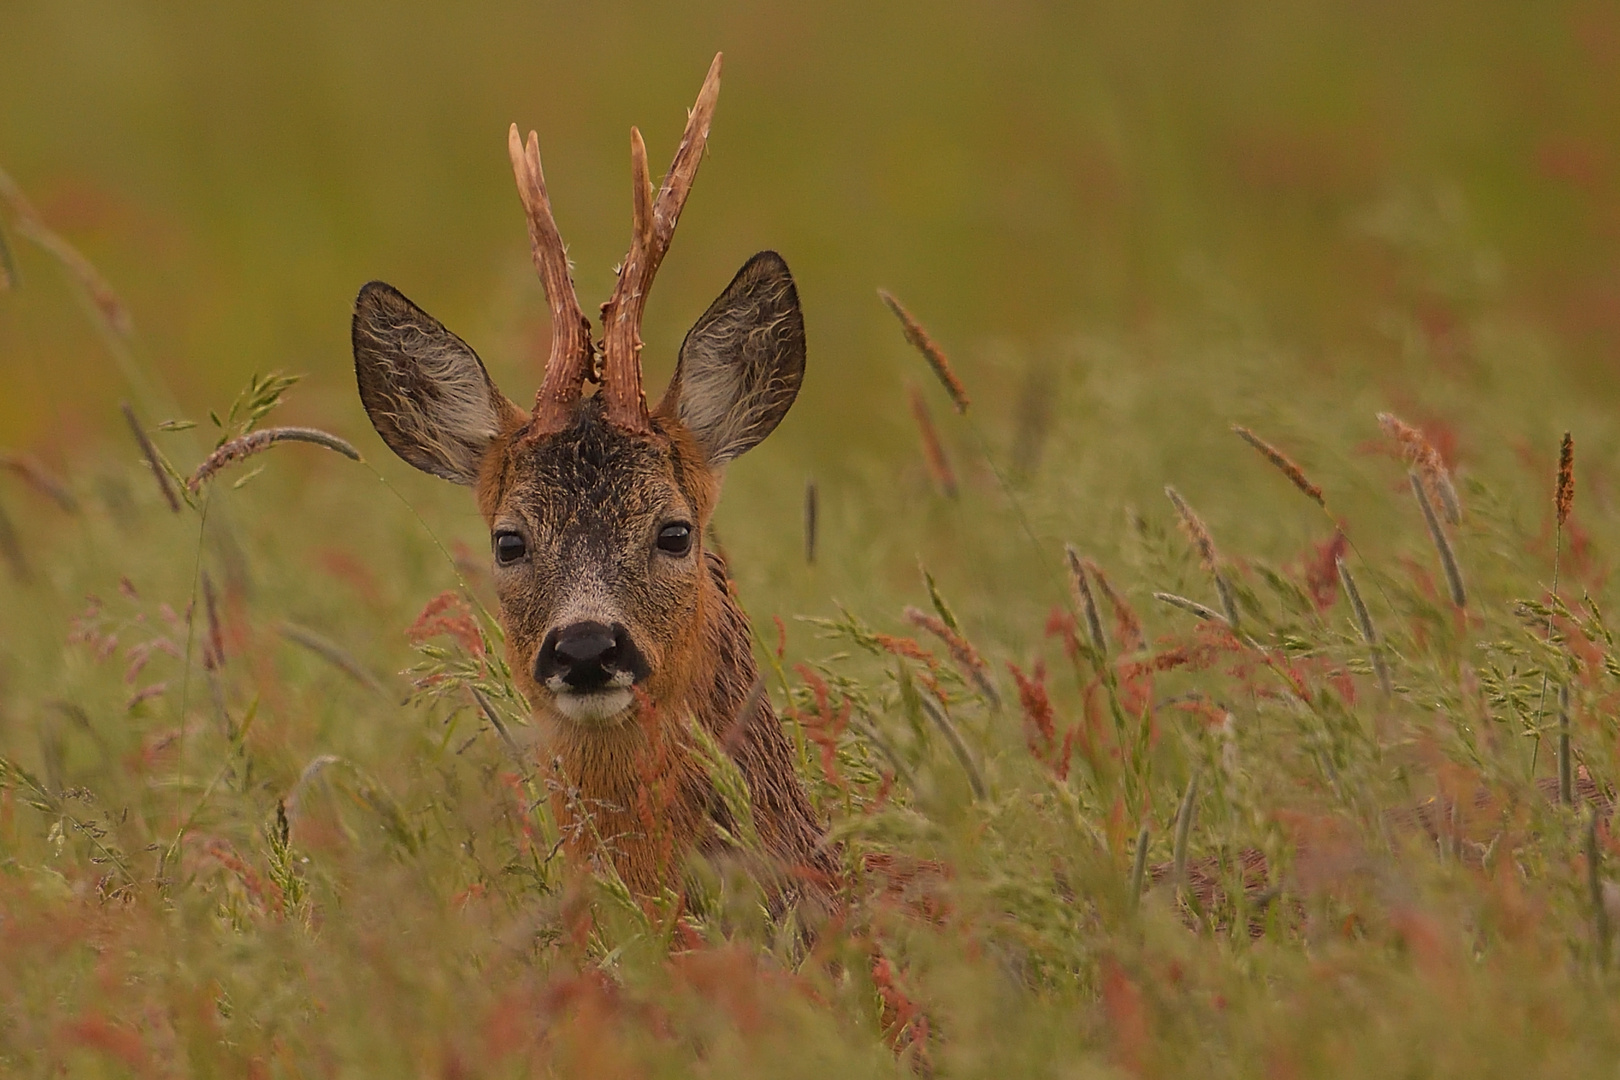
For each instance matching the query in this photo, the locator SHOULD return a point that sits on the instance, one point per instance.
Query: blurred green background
(1161, 215)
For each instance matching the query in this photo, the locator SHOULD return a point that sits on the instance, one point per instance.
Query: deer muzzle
(589, 667)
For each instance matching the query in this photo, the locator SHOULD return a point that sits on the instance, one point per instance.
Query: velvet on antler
(653, 226)
(573, 357)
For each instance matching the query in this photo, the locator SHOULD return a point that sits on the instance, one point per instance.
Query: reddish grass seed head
(1426, 461)
(1196, 531)
(931, 352)
(1564, 499)
(1283, 463)
(939, 466)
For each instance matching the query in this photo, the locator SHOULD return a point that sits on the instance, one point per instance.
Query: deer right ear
(426, 391)
(741, 364)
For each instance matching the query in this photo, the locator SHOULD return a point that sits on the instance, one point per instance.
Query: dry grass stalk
(8, 265)
(31, 225)
(1139, 866)
(737, 730)
(1594, 885)
(154, 460)
(1364, 623)
(11, 549)
(1566, 769)
(939, 466)
(214, 647)
(967, 658)
(959, 746)
(1032, 421)
(1421, 455)
(1564, 499)
(1086, 602)
(931, 352)
(1184, 819)
(494, 718)
(1284, 464)
(1448, 561)
(1563, 502)
(244, 447)
(31, 472)
(333, 654)
(811, 516)
(1204, 544)
(1126, 625)
(1193, 606)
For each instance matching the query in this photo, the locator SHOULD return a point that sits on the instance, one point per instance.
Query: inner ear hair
(426, 391)
(742, 362)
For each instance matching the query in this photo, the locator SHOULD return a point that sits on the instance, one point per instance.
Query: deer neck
(635, 792)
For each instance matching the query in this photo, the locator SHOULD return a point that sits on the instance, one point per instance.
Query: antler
(572, 356)
(653, 227)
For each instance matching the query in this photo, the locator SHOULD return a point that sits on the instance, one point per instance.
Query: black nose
(587, 655)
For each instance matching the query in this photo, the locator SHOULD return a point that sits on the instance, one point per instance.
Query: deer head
(596, 505)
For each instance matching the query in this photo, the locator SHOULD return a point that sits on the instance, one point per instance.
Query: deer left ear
(741, 363)
(426, 391)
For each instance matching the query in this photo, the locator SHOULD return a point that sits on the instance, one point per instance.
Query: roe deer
(619, 625)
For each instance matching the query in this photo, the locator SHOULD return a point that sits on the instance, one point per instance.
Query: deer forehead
(594, 490)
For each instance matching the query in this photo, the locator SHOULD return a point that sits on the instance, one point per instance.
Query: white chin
(593, 707)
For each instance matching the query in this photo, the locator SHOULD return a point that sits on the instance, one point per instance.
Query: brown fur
(589, 500)
(699, 641)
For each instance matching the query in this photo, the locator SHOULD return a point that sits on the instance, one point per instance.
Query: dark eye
(509, 547)
(675, 539)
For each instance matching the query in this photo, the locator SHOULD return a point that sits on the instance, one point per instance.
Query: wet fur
(589, 501)
(593, 479)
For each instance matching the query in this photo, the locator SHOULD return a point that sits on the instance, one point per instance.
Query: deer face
(596, 525)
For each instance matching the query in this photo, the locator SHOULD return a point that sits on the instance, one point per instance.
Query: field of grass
(255, 821)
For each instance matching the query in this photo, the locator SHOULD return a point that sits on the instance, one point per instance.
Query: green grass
(255, 821)
(226, 850)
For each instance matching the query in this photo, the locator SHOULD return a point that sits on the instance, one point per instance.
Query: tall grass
(1292, 844)
(271, 806)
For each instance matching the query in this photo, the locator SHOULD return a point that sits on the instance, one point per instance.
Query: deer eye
(675, 539)
(509, 547)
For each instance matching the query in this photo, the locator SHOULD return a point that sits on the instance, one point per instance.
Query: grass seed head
(1426, 461)
(1564, 500)
(1087, 602)
(931, 352)
(1196, 531)
(1127, 627)
(939, 466)
(811, 516)
(31, 472)
(1437, 533)
(245, 446)
(1284, 464)
(154, 460)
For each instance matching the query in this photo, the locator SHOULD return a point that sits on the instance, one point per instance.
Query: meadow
(1211, 677)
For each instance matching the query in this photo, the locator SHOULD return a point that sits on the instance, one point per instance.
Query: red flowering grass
(825, 725)
(449, 615)
(1322, 570)
(1040, 731)
(966, 657)
(1127, 626)
(1426, 461)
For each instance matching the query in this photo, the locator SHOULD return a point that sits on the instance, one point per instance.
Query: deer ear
(742, 362)
(426, 391)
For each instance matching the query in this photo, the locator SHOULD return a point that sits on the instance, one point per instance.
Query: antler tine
(572, 355)
(654, 227)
